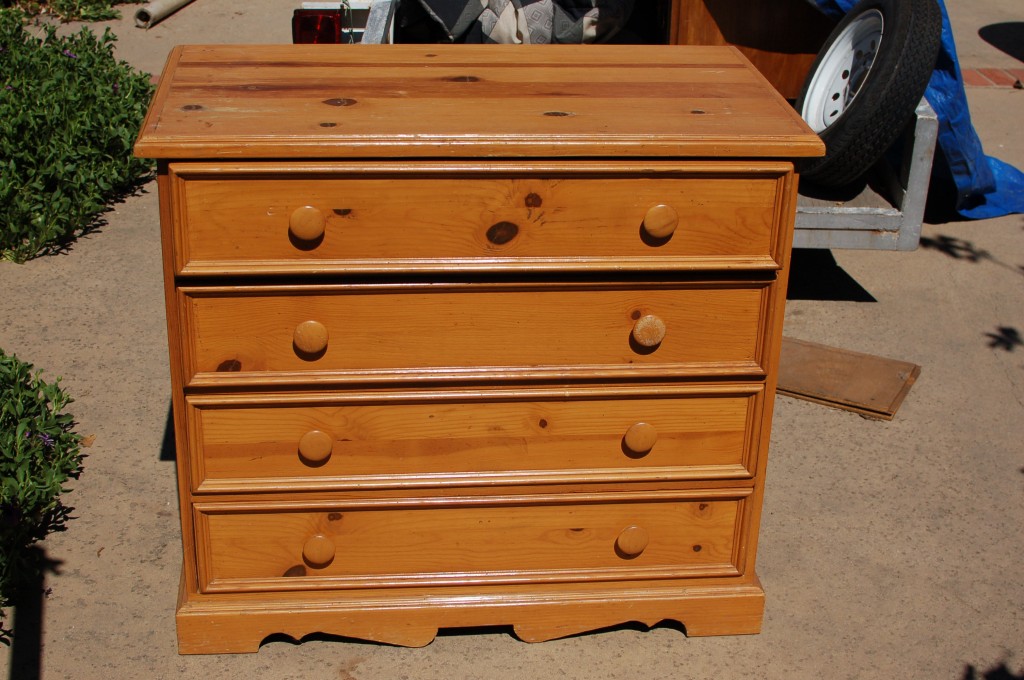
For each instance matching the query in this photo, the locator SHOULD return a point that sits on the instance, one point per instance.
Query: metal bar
(893, 227)
(379, 22)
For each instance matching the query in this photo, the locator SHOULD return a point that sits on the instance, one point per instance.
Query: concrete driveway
(888, 549)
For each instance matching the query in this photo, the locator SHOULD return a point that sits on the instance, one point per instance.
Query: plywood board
(870, 385)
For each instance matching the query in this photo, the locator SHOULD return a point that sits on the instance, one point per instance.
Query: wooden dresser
(471, 335)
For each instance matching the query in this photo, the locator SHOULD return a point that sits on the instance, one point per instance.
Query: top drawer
(267, 218)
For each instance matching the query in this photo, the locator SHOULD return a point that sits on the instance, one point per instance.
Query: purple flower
(69, 53)
(46, 439)
(116, 88)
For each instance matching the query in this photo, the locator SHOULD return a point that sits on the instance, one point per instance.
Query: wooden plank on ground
(870, 385)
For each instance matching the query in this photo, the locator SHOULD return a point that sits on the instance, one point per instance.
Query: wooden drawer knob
(641, 437)
(661, 221)
(310, 337)
(632, 541)
(318, 551)
(649, 331)
(307, 223)
(315, 446)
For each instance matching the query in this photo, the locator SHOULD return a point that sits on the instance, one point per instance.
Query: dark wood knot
(501, 233)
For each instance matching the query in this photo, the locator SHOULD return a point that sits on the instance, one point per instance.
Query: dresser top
(468, 101)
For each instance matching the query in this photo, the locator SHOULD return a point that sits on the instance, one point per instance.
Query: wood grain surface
(781, 38)
(459, 438)
(318, 101)
(437, 542)
(402, 332)
(235, 217)
(470, 335)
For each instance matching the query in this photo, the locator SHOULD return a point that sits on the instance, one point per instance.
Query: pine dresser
(470, 335)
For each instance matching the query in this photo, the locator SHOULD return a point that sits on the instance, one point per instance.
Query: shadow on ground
(1007, 37)
(815, 275)
(965, 251)
(998, 672)
(1006, 338)
(167, 447)
(29, 607)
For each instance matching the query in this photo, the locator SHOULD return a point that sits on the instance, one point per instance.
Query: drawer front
(454, 438)
(460, 541)
(292, 219)
(305, 334)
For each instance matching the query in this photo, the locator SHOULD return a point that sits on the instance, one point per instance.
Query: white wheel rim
(843, 71)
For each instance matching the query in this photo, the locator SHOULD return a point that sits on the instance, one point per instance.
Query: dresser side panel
(773, 329)
(182, 447)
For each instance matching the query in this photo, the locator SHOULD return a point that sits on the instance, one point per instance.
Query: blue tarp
(985, 186)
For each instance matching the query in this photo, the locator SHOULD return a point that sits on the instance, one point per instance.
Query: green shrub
(70, 10)
(69, 113)
(39, 453)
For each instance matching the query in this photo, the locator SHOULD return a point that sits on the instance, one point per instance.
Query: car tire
(866, 83)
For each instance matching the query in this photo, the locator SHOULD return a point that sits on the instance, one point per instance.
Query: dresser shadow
(441, 633)
(318, 637)
(167, 450)
(635, 626)
(473, 631)
(815, 275)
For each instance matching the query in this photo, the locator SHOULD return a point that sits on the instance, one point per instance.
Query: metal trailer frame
(871, 221)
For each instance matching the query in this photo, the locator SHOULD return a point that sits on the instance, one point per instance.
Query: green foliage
(69, 113)
(83, 10)
(70, 10)
(39, 453)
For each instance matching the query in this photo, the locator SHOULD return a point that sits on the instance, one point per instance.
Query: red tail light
(317, 26)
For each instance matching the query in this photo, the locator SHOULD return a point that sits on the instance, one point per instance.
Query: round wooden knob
(632, 541)
(318, 551)
(315, 446)
(641, 437)
(661, 221)
(310, 337)
(307, 223)
(649, 331)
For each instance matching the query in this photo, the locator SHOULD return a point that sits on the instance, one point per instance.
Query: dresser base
(224, 625)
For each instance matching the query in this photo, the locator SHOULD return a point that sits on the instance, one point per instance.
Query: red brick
(973, 78)
(998, 76)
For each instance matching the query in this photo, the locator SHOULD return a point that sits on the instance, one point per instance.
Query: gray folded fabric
(529, 21)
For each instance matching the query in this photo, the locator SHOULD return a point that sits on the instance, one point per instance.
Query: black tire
(888, 95)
